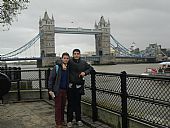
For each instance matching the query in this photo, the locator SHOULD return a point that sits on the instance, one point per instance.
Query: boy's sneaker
(59, 126)
(64, 123)
(80, 123)
(69, 125)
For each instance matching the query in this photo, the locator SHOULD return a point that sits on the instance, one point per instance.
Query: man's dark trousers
(74, 104)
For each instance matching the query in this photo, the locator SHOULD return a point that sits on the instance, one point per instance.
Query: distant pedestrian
(160, 70)
(57, 86)
(77, 70)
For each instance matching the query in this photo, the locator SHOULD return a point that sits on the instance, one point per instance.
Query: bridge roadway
(88, 58)
(17, 58)
(35, 114)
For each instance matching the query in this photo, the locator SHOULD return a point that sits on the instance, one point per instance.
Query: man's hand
(82, 74)
(52, 94)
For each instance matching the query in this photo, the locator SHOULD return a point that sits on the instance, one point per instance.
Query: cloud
(142, 22)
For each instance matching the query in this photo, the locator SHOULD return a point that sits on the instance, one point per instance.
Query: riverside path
(35, 114)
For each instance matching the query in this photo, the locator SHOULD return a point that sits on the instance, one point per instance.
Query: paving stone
(38, 114)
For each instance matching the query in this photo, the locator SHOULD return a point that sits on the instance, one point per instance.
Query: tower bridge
(47, 40)
(104, 41)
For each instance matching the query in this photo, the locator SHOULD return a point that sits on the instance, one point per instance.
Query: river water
(129, 68)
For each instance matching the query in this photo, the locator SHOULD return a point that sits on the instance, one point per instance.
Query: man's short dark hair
(65, 54)
(76, 50)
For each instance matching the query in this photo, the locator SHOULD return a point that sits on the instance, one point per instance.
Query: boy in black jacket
(77, 70)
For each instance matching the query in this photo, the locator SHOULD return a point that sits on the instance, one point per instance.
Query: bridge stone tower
(47, 40)
(103, 41)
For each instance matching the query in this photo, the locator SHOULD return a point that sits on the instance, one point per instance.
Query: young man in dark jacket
(57, 86)
(77, 70)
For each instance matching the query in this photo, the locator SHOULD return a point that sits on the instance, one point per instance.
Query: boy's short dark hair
(65, 54)
(76, 50)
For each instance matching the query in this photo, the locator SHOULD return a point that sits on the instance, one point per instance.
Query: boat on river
(163, 70)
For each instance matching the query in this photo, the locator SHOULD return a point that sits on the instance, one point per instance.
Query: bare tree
(9, 9)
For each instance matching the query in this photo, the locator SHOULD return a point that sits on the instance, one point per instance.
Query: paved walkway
(27, 115)
(37, 114)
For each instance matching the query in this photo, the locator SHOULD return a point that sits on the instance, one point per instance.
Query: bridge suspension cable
(124, 51)
(22, 48)
(120, 47)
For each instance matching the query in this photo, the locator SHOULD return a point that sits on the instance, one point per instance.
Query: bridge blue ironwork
(78, 30)
(21, 49)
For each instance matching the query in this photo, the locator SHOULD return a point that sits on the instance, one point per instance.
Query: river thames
(129, 68)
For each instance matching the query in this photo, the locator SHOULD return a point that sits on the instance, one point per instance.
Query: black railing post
(47, 74)
(19, 73)
(9, 71)
(124, 99)
(13, 73)
(5, 69)
(1, 98)
(40, 86)
(18, 90)
(93, 88)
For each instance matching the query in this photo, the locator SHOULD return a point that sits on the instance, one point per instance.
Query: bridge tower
(47, 40)
(103, 41)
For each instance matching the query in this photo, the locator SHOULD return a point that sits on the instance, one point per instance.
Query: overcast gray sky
(139, 21)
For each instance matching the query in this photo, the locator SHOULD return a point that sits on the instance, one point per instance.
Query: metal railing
(32, 80)
(142, 98)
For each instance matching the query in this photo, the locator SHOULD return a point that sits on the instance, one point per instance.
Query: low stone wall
(24, 85)
(111, 118)
(25, 95)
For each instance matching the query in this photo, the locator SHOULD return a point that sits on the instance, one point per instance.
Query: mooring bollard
(5, 85)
